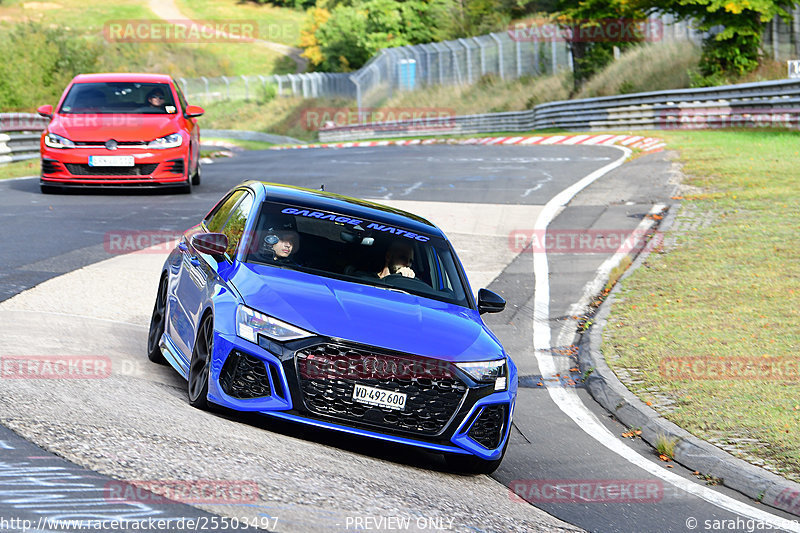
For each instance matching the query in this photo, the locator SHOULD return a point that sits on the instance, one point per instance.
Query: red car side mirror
(45, 110)
(194, 111)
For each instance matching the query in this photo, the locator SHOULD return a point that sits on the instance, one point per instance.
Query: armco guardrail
(773, 103)
(19, 136)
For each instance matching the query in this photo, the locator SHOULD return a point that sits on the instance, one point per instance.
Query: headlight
(487, 372)
(250, 324)
(170, 141)
(57, 141)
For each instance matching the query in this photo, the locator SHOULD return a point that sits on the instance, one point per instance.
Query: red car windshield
(119, 98)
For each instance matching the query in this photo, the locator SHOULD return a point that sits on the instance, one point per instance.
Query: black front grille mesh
(489, 427)
(244, 376)
(85, 170)
(328, 374)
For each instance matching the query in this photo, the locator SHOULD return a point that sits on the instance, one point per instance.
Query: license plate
(379, 397)
(111, 161)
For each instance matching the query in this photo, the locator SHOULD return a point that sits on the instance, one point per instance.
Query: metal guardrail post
(499, 55)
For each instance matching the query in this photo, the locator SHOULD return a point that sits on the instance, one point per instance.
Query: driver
(280, 245)
(398, 260)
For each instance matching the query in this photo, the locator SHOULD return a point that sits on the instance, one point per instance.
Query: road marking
(568, 401)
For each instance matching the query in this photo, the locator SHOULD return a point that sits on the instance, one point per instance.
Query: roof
(122, 76)
(346, 205)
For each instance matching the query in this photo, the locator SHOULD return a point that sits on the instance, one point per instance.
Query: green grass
(19, 169)
(245, 145)
(730, 290)
(75, 14)
(277, 24)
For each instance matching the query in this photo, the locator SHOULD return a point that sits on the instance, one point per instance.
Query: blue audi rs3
(339, 313)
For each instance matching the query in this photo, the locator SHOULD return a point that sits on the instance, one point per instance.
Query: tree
(735, 27)
(594, 28)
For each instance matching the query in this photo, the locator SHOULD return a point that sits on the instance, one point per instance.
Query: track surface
(136, 424)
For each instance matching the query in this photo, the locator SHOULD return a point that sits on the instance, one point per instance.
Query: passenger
(398, 260)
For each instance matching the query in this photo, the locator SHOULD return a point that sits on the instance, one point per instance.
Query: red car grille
(85, 170)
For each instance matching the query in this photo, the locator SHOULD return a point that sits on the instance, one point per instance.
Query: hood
(120, 127)
(367, 315)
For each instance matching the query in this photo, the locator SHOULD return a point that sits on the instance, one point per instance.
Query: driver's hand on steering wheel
(405, 272)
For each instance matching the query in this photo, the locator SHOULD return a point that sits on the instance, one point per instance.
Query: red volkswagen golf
(129, 130)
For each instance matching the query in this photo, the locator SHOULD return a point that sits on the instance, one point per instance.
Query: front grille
(85, 170)
(50, 166)
(244, 376)
(328, 374)
(489, 427)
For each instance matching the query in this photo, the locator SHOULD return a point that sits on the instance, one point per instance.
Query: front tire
(158, 322)
(196, 177)
(200, 365)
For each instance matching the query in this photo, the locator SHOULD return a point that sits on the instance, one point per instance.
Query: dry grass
(650, 67)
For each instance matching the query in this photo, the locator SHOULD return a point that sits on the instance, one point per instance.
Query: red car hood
(123, 128)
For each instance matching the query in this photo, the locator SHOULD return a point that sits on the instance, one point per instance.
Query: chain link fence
(507, 55)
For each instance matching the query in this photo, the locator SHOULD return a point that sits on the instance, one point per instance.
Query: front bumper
(265, 378)
(152, 168)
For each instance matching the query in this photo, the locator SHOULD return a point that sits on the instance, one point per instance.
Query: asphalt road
(45, 236)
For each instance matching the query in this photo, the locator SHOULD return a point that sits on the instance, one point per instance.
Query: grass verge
(19, 169)
(709, 328)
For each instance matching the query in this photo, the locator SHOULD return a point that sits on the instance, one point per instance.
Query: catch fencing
(508, 55)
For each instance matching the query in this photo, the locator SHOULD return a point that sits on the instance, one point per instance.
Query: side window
(234, 228)
(216, 219)
(181, 98)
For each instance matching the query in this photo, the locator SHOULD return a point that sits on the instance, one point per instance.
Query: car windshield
(119, 97)
(357, 250)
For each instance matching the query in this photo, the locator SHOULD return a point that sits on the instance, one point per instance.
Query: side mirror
(193, 111)
(45, 111)
(213, 244)
(489, 302)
